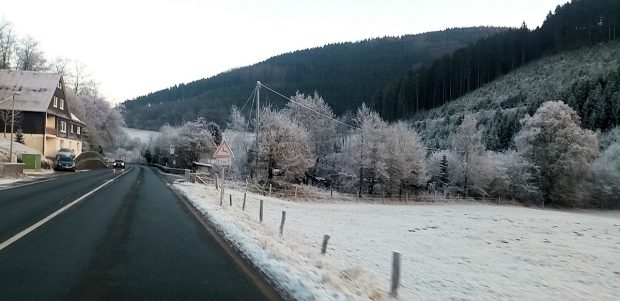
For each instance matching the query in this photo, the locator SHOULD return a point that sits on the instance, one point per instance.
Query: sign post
(174, 161)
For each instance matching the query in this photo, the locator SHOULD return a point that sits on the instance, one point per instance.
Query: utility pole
(12, 125)
(257, 125)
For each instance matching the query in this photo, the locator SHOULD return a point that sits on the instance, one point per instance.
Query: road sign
(221, 162)
(172, 149)
(223, 151)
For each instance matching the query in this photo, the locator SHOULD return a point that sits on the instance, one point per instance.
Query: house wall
(51, 121)
(67, 133)
(54, 144)
(32, 123)
(34, 141)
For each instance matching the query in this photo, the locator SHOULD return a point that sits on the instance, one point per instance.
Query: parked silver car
(67, 152)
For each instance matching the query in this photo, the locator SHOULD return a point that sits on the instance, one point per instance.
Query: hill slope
(345, 74)
(580, 23)
(588, 79)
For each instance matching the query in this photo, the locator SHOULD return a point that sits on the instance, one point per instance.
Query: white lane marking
(57, 212)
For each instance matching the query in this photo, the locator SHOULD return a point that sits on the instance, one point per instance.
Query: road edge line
(40, 223)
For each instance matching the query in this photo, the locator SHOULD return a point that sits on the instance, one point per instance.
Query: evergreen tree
(216, 132)
(19, 136)
(148, 156)
(444, 179)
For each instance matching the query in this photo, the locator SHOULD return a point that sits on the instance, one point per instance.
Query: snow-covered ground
(449, 251)
(5, 181)
(18, 149)
(143, 135)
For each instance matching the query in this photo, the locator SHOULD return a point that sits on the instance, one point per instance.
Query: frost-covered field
(449, 251)
(143, 135)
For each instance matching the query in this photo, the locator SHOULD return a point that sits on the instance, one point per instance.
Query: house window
(60, 85)
(63, 126)
(71, 128)
(62, 104)
(79, 130)
(55, 102)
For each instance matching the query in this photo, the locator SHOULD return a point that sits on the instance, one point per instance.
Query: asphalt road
(132, 239)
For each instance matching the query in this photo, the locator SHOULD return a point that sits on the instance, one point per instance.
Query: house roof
(74, 118)
(36, 89)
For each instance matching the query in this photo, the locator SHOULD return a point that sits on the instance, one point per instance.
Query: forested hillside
(587, 79)
(576, 24)
(345, 74)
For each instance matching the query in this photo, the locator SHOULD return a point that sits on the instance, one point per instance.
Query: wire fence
(310, 193)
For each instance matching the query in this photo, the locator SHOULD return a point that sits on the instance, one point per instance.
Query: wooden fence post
(324, 245)
(243, 207)
(260, 213)
(406, 198)
(230, 197)
(331, 192)
(221, 195)
(295, 192)
(395, 274)
(499, 200)
(282, 222)
(269, 189)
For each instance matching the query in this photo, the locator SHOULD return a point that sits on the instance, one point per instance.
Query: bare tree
(5, 117)
(29, 56)
(7, 44)
(60, 65)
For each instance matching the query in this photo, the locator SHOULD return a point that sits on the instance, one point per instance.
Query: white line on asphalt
(57, 212)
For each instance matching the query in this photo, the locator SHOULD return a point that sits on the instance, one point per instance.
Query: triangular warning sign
(223, 151)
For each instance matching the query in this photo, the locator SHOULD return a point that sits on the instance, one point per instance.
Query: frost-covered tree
(405, 159)
(103, 122)
(522, 175)
(240, 140)
(194, 141)
(314, 114)
(236, 121)
(29, 56)
(284, 146)
(601, 188)
(7, 44)
(363, 152)
(554, 142)
(467, 144)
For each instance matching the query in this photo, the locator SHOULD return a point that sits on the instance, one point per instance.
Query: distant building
(47, 122)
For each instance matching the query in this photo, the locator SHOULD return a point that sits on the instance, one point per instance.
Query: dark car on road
(65, 163)
(118, 164)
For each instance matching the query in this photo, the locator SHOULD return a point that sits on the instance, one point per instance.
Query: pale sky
(134, 47)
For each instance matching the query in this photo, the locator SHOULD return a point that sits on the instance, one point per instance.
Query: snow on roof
(74, 118)
(36, 89)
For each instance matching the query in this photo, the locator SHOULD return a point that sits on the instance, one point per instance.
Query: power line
(246, 102)
(310, 109)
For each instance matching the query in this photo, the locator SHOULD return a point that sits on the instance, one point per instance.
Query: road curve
(132, 239)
